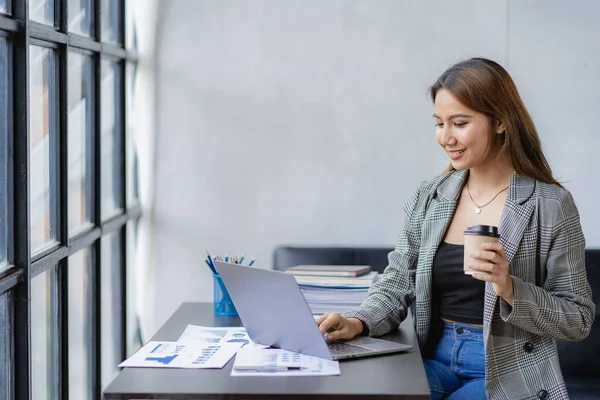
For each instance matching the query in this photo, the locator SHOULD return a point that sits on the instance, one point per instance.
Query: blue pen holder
(222, 304)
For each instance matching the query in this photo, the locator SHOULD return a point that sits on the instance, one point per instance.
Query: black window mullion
(96, 328)
(96, 367)
(96, 134)
(22, 251)
(61, 17)
(121, 122)
(11, 362)
(63, 328)
(122, 35)
(122, 249)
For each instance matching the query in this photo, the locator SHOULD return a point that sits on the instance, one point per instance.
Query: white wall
(554, 57)
(307, 122)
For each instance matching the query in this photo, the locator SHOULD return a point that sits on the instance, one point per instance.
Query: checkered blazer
(544, 244)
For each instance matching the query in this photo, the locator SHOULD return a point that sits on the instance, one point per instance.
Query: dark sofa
(580, 361)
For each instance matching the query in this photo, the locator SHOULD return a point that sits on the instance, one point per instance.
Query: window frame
(15, 280)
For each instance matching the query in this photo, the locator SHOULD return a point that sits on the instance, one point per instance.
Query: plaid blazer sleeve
(391, 296)
(562, 307)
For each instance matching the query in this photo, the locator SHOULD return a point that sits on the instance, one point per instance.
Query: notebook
(329, 270)
(274, 313)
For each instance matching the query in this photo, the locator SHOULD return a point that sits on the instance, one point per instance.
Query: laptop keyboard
(341, 348)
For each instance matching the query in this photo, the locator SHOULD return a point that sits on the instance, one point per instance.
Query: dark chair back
(289, 256)
(581, 358)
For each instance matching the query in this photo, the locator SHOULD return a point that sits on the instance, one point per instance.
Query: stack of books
(333, 288)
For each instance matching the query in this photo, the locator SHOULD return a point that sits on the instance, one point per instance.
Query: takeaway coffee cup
(475, 236)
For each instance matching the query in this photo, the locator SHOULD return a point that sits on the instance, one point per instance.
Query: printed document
(197, 347)
(180, 355)
(216, 335)
(253, 361)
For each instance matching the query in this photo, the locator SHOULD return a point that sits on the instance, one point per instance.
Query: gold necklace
(478, 207)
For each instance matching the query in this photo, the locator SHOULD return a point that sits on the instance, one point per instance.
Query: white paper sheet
(273, 362)
(182, 355)
(216, 335)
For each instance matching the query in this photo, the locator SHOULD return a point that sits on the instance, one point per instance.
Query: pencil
(214, 271)
(209, 258)
(252, 262)
(210, 263)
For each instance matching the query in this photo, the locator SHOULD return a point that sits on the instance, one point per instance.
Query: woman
(491, 333)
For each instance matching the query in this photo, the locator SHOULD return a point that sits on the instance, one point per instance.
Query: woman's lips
(456, 154)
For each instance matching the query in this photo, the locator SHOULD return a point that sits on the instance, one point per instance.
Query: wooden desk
(395, 376)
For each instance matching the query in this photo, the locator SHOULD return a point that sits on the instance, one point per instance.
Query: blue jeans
(457, 370)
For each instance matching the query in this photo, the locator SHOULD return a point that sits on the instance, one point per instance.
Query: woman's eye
(460, 124)
(439, 125)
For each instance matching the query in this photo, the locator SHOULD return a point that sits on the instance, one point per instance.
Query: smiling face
(464, 134)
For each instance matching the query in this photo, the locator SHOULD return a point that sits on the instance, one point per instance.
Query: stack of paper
(333, 288)
(323, 299)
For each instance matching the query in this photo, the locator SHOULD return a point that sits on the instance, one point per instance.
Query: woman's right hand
(336, 327)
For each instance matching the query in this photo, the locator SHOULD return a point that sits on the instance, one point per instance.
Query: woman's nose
(447, 137)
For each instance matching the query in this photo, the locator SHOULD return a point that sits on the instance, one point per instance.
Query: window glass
(131, 34)
(80, 17)
(3, 146)
(111, 307)
(132, 153)
(3, 7)
(42, 11)
(42, 144)
(133, 329)
(80, 325)
(111, 10)
(6, 324)
(43, 336)
(80, 140)
(110, 139)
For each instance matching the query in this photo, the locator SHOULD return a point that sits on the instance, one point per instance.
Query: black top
(459, 296)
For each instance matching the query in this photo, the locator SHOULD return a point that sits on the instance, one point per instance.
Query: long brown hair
(485, 87)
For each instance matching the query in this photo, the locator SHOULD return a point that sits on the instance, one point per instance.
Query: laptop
(275, 313)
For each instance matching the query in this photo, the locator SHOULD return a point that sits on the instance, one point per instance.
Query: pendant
(478, 210)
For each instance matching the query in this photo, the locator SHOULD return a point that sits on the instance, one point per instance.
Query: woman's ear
(500, 127)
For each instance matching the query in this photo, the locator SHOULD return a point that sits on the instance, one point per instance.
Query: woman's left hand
(494, 262)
